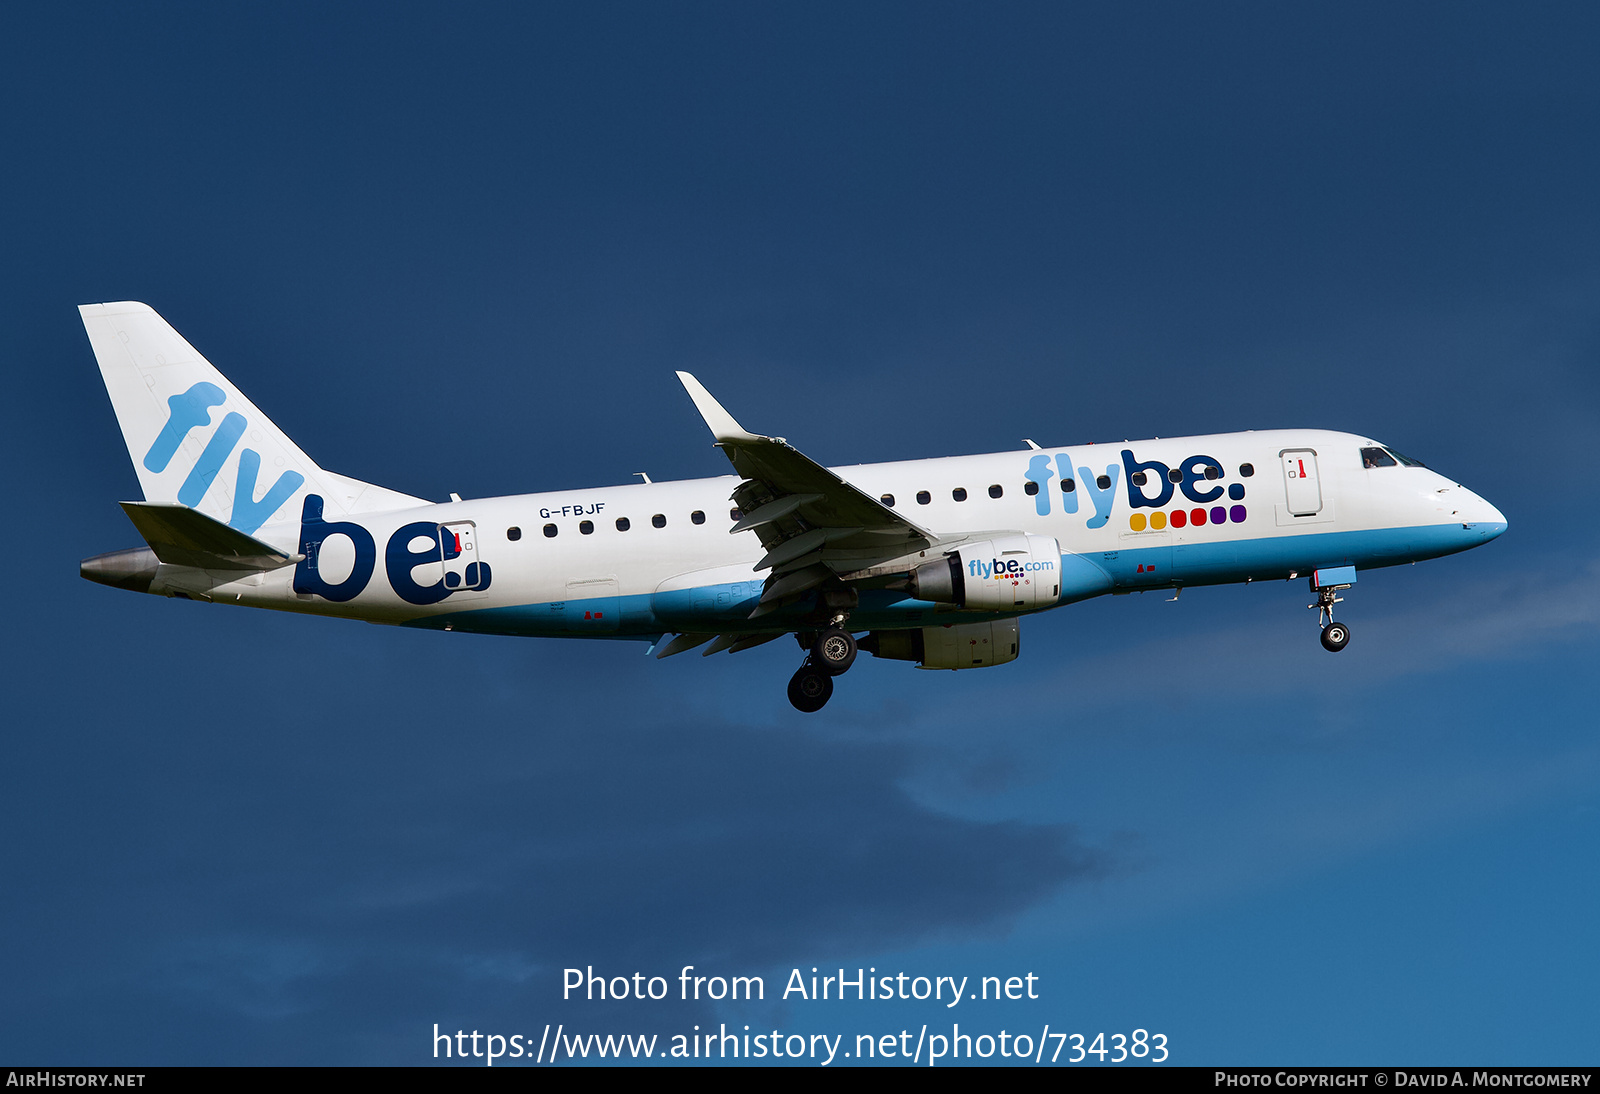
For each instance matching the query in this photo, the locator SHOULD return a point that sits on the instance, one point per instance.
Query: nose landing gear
(1327, 585)
(831, 653)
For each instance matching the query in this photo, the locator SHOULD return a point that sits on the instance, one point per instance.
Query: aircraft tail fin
(196, 441)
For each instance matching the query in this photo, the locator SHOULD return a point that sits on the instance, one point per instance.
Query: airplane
(931, 561)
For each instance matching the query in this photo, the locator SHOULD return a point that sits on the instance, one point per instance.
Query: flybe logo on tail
(192, 410)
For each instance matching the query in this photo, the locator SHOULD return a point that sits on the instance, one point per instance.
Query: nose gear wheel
(1335, 636)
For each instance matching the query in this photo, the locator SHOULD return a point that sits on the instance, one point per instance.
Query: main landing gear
(1335, 636)
(832, 651)
(810, 688)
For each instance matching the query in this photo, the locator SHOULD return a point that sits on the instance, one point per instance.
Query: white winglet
(722, 425)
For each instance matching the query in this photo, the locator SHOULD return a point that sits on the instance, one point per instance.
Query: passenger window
(513, 534)
(1376, 457)
(659, 520)
(995, 491)
(888, 499)
(1213, 472)
(1031, 488)
(734, 514)
(549, 531)
(959, 493)
(697, 517)
(586, 527)
(1068, 486)
(1103, 482)
(1173, 476)
(623, 524)
(1137, 478)
(923, 497)
(1246, 470)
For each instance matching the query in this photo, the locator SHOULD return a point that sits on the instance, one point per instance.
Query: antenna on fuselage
(645, 477)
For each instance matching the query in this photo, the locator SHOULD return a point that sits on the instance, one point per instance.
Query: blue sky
(464, 250)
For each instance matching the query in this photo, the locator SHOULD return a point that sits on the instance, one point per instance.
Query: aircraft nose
(1479, 516)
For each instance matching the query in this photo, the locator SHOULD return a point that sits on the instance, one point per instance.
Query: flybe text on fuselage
(1150, 485)
(409, 547)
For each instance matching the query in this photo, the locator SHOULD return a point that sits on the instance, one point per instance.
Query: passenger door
(1301, 482)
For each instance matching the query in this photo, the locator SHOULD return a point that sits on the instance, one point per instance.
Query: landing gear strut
(1327, 585)
(831, 652)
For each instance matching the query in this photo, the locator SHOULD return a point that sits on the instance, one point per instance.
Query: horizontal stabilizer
(181, 536)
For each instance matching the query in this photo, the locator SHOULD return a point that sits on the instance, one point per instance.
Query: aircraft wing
(813, 524)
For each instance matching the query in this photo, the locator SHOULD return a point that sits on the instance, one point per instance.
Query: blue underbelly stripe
(726, 608)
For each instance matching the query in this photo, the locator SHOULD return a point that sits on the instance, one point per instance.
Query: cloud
(308, 874)
(1494, 620)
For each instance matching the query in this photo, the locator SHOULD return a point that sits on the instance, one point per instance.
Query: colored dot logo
(1180, 518)
(1199, 510)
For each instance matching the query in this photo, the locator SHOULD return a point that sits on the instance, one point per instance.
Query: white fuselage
(558, 563)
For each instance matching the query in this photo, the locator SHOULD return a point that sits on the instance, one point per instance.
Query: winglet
(721, 423)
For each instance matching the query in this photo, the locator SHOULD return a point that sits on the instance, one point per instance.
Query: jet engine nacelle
(1008, 573)
(958, 646)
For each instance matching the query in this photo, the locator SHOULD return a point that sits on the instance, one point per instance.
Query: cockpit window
(1407, 460)
(1376, 457)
